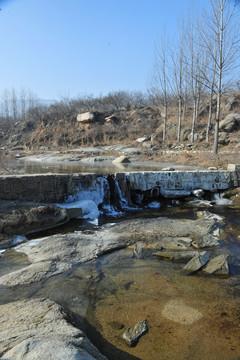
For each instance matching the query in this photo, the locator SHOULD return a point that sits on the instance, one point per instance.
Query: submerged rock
(138, 251)
(133, 334)
(217, 266)
(176, 310)
(176, 255)
(42, 329)
(197, 262)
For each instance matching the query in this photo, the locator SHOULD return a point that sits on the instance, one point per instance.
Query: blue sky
(76, 47)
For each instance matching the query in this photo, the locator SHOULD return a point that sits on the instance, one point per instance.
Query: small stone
(138, 251)
(122, 159)
(133, 334)
(142, 139)
(168, 169)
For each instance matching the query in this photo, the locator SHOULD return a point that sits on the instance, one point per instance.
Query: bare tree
(23, 103)
(14, 104)
(160, 79)
(5, 104)
(177, 69)
(222, 28)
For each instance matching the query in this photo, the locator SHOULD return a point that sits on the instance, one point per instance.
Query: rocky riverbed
(127, 286)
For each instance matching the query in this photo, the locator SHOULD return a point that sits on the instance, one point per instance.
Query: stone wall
(57, 187)
(177, 183)
(44, 188)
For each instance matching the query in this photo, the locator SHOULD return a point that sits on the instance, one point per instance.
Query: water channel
(119, 289)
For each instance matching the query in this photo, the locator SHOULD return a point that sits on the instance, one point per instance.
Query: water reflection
(97, 167)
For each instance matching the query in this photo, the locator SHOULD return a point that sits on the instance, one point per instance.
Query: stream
(119, 289)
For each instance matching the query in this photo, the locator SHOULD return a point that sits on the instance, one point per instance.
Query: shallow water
(97, 167)
(118, 290)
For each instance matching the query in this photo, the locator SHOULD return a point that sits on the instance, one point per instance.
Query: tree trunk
(165, 121)
(179, 118)
(194, 119)
(209, 117)
(219, 87)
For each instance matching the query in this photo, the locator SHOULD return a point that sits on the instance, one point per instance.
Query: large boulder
(86, 117)
(230, 123)
(42, 329)
(223, 138)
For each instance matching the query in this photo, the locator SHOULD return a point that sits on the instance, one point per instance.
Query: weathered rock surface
(176, 243)
(217, 266)
(58, 253)
(133, 334)
(230, 122)
(42, 329)
(205, 241)
(24, 221)
(197, 262)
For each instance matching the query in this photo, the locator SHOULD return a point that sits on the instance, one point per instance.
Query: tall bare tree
(23, 103)
(5, 104)
(14, 104)
(178, 64)
(160, 79)
(222, 28)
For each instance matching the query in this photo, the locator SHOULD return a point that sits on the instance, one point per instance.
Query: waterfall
(220, 200)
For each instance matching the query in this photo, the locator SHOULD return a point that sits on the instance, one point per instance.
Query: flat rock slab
(133, 334)
(197, 262)
(42, 329)
(176, 255)
(176, 310)
(217, 266)
(58, 253)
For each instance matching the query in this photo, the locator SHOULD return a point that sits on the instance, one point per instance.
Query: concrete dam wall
(132, 186)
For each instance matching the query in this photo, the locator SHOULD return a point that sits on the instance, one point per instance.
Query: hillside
(63, 128)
